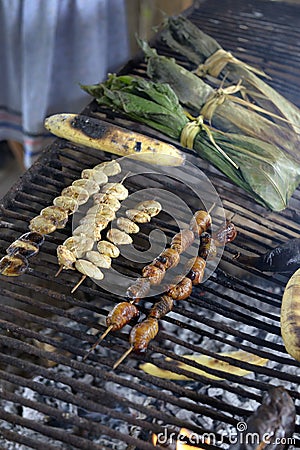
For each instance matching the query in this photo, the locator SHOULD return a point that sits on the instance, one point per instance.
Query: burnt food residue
(89, 127)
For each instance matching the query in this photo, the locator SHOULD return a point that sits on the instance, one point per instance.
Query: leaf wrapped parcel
(219, 107)
(263, 170)
(185, 38)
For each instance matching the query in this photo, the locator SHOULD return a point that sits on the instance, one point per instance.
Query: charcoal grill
(51, 399)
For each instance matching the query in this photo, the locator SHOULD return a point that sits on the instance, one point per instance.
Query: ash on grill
(172, 339)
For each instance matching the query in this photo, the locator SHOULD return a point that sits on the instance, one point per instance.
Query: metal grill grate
(72, 404)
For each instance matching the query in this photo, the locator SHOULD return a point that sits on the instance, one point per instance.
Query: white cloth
(48, 47)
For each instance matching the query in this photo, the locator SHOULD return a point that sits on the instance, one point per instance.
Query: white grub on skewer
(110, 168)
(125, 224)
(24, 248)
(118, 190)
(69, 204)
(58, 215)
(88, 269)
(95, 221)
(104, 210)
(107, 199)
(99, 259)
(90, 231)
(66, 259)
(42, 225)
(78, 193)
(79, 244)
(151, 207)
(89, 185)
(108, 248)
(138, 216)
(96, 175)
(118, 237)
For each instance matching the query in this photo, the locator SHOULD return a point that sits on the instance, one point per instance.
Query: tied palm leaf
(224, 112)
(264, 170)
(183, 37)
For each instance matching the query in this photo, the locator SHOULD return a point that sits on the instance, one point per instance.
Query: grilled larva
(167, 259)
(118, 237)
(56, 214)
(42, 225)
(153, 273)
(290, 317)
(225, 235)
(96, 175)
(200, 222)
(33, 237)
(69, 204)
(13, 265)
(182, 290)
(162, 307)
(79, 244)
(151, 207)
(138, 216)
(108, 248)
(99, 259)
(140, 336)
(107, 199)
(88, 269)
(182, 240)
(66, 257)
(16, 263)
(88, 184)
(90, 231)
(94, 220)
(197, 271)
(122, 314)
(139, 289)
(127, 225)
(110, 168)
(104, 210)
(117, 190)
(142, 333)
(208, 247)
(24, 248)
(77, 193)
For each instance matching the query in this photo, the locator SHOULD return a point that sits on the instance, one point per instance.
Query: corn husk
(208, 362)
(260, 168)
(219, 107)
(183, 37)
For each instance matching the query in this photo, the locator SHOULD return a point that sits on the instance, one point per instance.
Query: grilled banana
(104, 136)
(290, 316)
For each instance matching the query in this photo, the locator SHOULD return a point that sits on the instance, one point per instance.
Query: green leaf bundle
(263, 170)
(183, 37)
(228, 115)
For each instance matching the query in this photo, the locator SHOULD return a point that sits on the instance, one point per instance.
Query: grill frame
(49, 304)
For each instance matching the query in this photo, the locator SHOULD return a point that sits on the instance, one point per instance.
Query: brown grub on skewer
(122, 314)
(142, 334)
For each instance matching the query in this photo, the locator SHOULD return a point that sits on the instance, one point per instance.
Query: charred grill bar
(50, 397)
